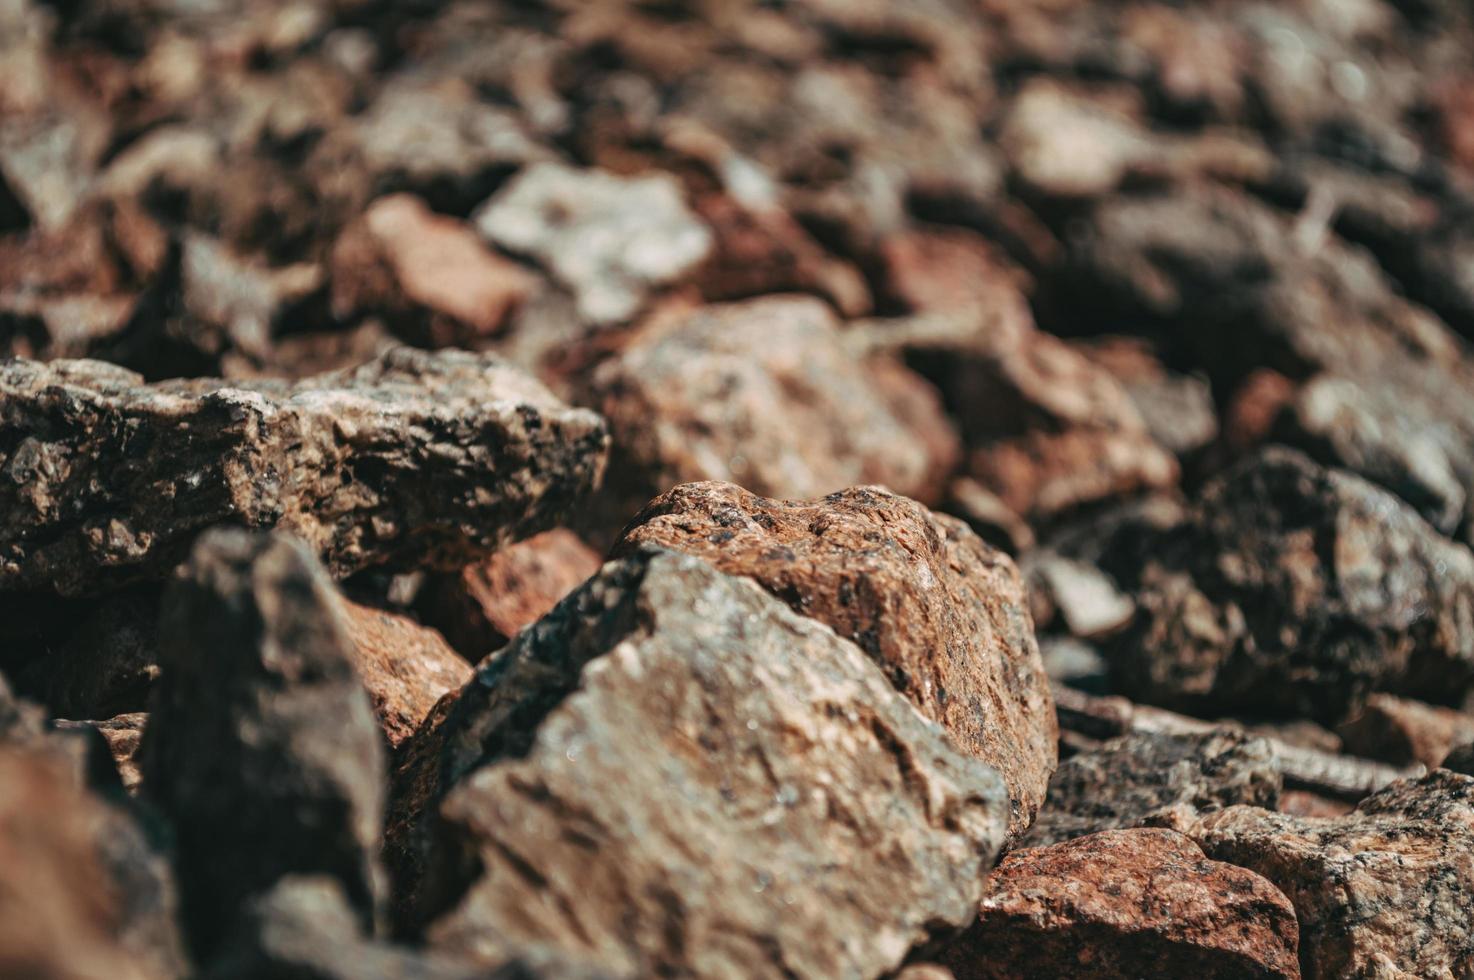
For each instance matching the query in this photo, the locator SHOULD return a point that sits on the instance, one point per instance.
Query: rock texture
(764, 394)
(1126, 904)
(1401, 732)
(261, 733)
(1380, 892)
(1127, 781)
(411, 458)
(405, 667)
(943, 615)
(674, 774)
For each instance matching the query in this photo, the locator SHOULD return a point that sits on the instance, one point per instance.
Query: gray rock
(262, 746)
(674, 774)
(414, 458)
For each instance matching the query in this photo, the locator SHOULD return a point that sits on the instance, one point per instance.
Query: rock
(1126, 904)
(484, 605)
(1400, 731)
(988, 516)
(611, 240)
(1379, 892)
(123, 735)
(1177, 408)
(431, 277)
(673, 773)
(262, 746)
(413, 459)
(1085, 599)
(764, 394)
(405, 667)
(1461, 759)
(1073, 663)
(941, 614)
(1128, 780)
(1295, 590)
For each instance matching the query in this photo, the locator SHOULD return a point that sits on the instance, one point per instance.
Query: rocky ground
(819, 488)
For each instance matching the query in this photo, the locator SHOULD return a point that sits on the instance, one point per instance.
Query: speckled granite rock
(262, 746)
(1125, 904)
(1380, 892)
(943, 615)
(1128, 779)
(673, 773)
(413, 458)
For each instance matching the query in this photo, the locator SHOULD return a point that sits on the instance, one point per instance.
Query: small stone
(1126, 904)
(940, 613)
(1400, 731)
(405, 667)
(1084, 597)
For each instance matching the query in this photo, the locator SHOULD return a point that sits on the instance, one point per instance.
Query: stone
(262, 746)
(1126, 904)
(674, 773)
(429, 276)
(1129, 780)
(484, 605)
(1084, 598)
(765, 394)
(611, 240)
(1380, 892)
(1401, 731)
(1295, 590)
(1461, 759)
(1178, 409)
(940, 613)
(123, 735)
(413, 459)
(988, 516)
(405, 667)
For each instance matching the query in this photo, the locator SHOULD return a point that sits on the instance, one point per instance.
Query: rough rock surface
(608, 239)
(1380, 892)
(765, 394)
(943, 615)
(1126, 904)
(405, 667)
(674, 774)
(261, 733)
(413, 457)
(481, 607)
(1128, 780)
(1400, 731)
(1298, 590)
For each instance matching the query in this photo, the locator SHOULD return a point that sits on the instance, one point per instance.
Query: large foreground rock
(262, 746)
(1125, 904)
(413, 458)
(673, 774)
(943, 615)
(1381, 892)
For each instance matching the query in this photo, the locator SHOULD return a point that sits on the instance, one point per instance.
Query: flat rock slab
(941, 613)
(411, 459)
(1380, 892)
(674, 774)
(1126, 904)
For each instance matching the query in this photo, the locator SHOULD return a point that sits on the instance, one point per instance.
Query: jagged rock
(261, 745)
(414, 458)
(940, 613)
(1126, 904)
(1400, 731)
(431, 277)
(611, 240)
(1126, 781)
(483, 606)
(765, 394)
(405, 667)
(673, 773)
(1380, 892)
(1296, 590)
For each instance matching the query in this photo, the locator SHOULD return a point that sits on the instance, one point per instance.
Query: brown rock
(943, 615)
(1126, 904)
(431, 277)
(405, 667)
(674, 774)
(1400, 731)
(414, 459)
(123, 735)
(484, 605)
(1380, 892)
(764, 394)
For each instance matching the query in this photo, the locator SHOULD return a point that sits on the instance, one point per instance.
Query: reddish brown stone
(942, 614)
(1401, 731)
(484, 605)
(404, 666)
(1126, 904)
